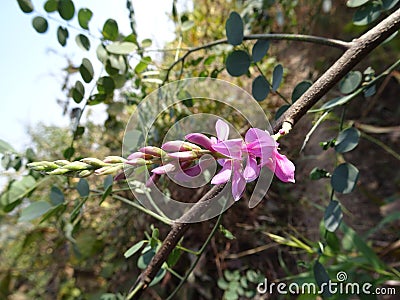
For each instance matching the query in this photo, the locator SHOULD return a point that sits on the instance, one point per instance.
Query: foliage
(77, 238)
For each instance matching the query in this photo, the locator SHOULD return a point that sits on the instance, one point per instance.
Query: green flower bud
(77, 166)
(114, 159)
(109, 170)
(95, 162)
(58, 171)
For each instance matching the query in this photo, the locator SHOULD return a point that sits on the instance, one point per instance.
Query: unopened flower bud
(85, 173)
(77, 166)
(114, 159)
(61, 162)
(179, 146)
(155, 151)
(59, 171)
(95, 162)
(109, 170)
(184, 155)
(138, 162)
(139, 155)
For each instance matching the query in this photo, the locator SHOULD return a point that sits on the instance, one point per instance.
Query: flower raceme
(241, 161)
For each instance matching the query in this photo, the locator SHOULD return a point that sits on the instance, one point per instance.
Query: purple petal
(222, 130)
(230, 148)
(152, 180)
(260, 143)
(238, 182)
(179, 146)
(189, 173)
(199, 139)
(224, 175)
(284, 168)
(155, 151)
(252, 170)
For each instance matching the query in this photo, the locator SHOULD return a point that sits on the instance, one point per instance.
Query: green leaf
(69, 152)
(389, 4)
(86, 70)
(34, 210)
(83, 187)
(337, 101)
(106, 84)
(174, 257)
(121, 48)
(110, 30)
(187, 25)
(142, 65)
(107, 185)
(146, 43)
(347, 140)
(229, 235)
(78, 92)
(300, 89)
(237, 63)
(209, 60)
(234, 29)
(135, 248)
(321, 277)
(56, 196)
(366, 14)
(281, 111)
(317, 173)
(16, 192)
(145, 258)
(260, 49)
(96, 99)
(26, 6)
(277, 76)
(102, 53)
(62, 35)
(40, 24)
(350, 82)
(160, 275)
(6, 147)
(344, 178)
(356, 3)
(66, 9)
(83, 42)
(260, 88)
(51, 6)
(84, 16)
(333, 216)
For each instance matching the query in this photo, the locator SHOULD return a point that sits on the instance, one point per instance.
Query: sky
(31, 63)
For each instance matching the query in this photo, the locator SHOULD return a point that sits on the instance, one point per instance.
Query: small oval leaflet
(86, 70)
(260, 88)
(84, 16)
(277, 76)
(121, 48)
(62, 35)
(356, 3)
(333, 216)
(83, 42)
(26, 6)
(83, 187)
(366, 14)
(237, 63)
(34, 210)
(321, 277)
(350, 82)
(40, 24)
(344, 178)
(110, 30)
(347, 140)
(300, 89)
(78, 92)
(260, 49)
(51, 5)
(66, 9)
(281, 110)
(234, 29)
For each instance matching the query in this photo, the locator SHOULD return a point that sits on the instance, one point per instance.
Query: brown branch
(358, 49)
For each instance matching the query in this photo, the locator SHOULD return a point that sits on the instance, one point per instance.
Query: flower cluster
(241, 161)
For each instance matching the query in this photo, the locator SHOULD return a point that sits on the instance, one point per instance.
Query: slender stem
(382, 145)
(141, 208)
(319, 121)
(194, 264)
(267, 36)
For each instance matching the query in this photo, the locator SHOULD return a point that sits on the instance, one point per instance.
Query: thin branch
(356, 50)
(267, 36)
(359, 49)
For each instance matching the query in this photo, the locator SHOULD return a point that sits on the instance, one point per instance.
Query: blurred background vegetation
(76, 249)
